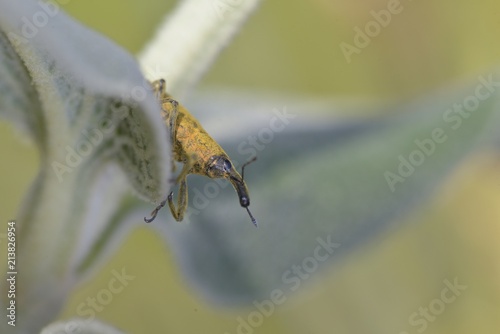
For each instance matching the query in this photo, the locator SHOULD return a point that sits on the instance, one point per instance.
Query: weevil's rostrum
(199, 153)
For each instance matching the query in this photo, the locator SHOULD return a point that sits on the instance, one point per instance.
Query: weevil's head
(219, 166)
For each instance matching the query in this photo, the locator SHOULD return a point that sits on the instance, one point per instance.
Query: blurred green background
(293, 47)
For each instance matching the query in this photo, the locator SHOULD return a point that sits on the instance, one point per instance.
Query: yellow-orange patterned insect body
(199, 153)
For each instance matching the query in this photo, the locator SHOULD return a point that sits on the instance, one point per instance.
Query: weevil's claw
(149, 220)
(154, 213)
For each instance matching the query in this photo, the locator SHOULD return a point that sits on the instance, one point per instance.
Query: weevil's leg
(169, 114)
(188, 164)
(170, 117)
(169, 110)
(182, 201)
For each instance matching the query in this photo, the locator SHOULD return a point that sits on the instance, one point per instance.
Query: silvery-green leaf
(320, 186)
(87, 106)
(19, 103)
(81, 327)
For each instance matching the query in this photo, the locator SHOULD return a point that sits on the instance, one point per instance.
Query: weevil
(199, 153)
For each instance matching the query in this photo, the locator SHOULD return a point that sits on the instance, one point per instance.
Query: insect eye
(219, 166)
(227, 165)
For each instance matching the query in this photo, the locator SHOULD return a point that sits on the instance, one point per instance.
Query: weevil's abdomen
(191, 139)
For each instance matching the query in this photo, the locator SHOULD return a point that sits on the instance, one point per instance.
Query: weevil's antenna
(251, 217)
(254, 221)
(243, 168)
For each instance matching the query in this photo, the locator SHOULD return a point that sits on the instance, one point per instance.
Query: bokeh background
(293, 48)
